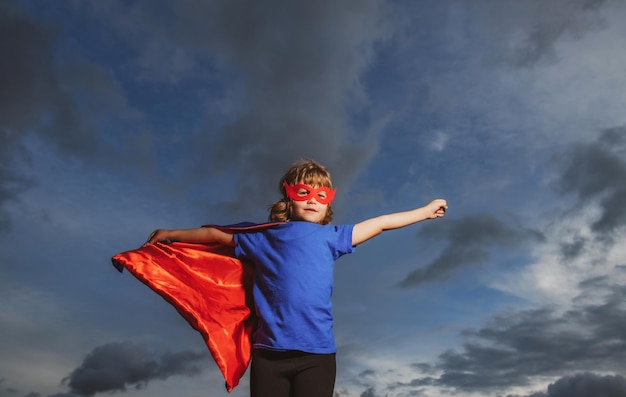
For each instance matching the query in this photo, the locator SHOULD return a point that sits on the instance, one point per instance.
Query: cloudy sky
(119, 117)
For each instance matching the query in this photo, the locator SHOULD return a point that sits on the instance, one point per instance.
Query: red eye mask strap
(292, 193)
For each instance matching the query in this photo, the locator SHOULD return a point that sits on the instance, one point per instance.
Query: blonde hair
(307, 172)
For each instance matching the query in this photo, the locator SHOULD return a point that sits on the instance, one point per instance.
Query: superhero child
(293, 347)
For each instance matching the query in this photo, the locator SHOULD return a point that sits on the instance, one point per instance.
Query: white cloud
(554, 279)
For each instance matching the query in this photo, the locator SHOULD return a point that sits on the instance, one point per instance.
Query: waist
(269, 354)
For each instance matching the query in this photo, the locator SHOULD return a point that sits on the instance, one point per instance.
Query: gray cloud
(279, 79)
(442, 268)
(116, 366)
(513, 349)
(301, 68)
(553, 21)
(370, 392)
(525, 33)
(471, 240)
(34, 97)
(597, 170)
(26, 80)
(6, 390)
(585, 385)
(367, 372)
(571, 250)
(290, 74)
(59, 105)
(423, 367)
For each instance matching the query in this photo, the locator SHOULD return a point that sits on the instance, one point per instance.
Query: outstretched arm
(369, 228)
(197, 235)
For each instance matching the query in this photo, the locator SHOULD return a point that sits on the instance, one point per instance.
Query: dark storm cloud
(116, 366)
(26, 81)
(38, 99)
(513, 349)
(292, 71)
(597, 170)
(280, 80)
(32, 98)
(585, 385)
(301, 64)
(470, 242)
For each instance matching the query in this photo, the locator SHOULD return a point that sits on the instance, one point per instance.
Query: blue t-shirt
(293, 282)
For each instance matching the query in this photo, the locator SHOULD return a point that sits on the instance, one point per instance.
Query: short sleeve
(242, 242)
(342, 241)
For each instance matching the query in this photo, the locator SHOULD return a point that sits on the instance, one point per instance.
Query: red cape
(210, 288)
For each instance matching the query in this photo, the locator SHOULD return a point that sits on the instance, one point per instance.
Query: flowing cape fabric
(210, 288)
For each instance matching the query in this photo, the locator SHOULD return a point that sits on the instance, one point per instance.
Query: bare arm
(369, 228)
(197, 235)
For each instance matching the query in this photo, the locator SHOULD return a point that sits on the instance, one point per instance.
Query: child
(293, 344)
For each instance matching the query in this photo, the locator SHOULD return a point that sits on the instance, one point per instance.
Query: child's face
(310, 209)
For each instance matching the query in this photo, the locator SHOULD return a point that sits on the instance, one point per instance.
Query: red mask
(302, 192)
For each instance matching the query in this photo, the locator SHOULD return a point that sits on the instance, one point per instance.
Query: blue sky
(120, 117)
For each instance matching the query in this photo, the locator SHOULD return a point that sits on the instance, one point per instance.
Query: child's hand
(158, 235)
(437, 208)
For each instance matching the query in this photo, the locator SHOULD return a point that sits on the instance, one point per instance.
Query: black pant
(291, 374)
